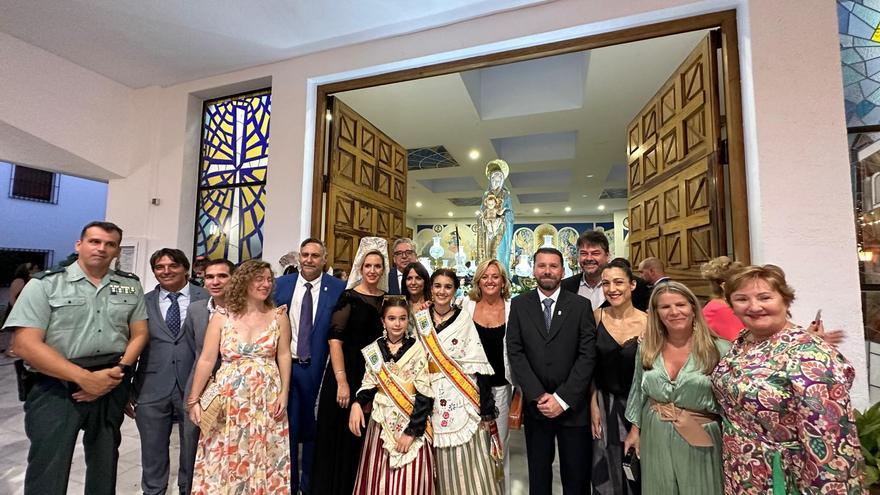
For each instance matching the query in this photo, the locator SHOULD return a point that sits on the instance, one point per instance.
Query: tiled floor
(14, 445)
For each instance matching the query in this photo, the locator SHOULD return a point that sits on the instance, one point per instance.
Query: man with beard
(310, 296)
(593, 254)
(551, 345)
(216, 275)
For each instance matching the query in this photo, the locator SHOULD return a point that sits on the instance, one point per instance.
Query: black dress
(356, 322)
(615, 365)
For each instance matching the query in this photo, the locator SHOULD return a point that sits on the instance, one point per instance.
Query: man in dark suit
(551, 344)
(403, 252)
(593, 254)
(653, 271)
(163, 370)
(216, 275)
(310, 296)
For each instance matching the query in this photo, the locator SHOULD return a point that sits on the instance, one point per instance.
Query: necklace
(434, 310)
(390, 342)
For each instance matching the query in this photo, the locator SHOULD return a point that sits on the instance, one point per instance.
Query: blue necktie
(172, 317)
(548, 312)
(304, 340)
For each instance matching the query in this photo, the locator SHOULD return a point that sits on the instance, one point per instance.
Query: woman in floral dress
(249, 452)
(789, 425)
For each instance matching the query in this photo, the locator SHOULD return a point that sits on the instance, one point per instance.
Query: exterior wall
(800, 202)
(46, 226)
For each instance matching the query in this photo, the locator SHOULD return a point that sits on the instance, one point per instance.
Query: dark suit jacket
(331, 289)
(560, 361)
(641, 295)
(394, 288)
(167, 359)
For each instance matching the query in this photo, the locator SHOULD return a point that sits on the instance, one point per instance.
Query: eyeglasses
(400, 254)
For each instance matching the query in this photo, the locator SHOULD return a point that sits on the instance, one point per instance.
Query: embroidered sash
(393, 389)
(447, 365)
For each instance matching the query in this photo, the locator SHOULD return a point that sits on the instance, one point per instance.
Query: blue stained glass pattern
(232, 177)
(858, 24)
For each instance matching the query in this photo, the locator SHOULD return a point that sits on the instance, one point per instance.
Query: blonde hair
(771, 274)
(702, 344)
(717, 271)
(476, 294)
(236, 289)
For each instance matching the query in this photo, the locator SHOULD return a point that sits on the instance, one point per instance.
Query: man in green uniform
(79, 328)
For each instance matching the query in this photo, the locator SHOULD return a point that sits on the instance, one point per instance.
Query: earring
(384, 332)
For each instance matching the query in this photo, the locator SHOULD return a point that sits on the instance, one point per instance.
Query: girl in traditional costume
(396, 458)
(467, 447)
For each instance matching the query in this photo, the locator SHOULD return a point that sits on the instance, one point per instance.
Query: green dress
(669, 465)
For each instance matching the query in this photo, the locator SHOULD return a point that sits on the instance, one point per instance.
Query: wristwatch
(127, 369)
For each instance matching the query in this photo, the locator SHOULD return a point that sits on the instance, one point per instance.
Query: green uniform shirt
(80, 319)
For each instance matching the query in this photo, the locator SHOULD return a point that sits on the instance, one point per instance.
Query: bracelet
(192, 402)
(339, 372)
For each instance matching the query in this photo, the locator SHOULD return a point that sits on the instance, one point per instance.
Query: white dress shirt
(296, 308)
(182, 301)
(553, 297)
(595, 293)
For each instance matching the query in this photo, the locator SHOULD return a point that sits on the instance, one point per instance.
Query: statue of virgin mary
(495, 219)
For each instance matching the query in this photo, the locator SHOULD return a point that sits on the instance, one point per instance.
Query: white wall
(792, 102)
(47, 226)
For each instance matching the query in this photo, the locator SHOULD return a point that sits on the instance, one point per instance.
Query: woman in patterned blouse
(789, 425)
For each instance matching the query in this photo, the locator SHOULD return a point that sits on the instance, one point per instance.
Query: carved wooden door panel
(366, 185)
(675, 182)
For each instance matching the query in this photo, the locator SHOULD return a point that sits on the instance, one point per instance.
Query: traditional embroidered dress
(462, 397)
(786, 403)
(399, 387)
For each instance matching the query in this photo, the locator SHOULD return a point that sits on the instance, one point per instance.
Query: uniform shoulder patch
(51, 271)
(127, 275)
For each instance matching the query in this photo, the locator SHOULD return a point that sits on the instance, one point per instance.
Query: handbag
(213, 412)
(632, 467)
(514, 415)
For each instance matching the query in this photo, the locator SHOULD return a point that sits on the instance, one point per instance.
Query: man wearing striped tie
(163, 370)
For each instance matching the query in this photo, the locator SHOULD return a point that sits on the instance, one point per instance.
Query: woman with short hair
(789, 424)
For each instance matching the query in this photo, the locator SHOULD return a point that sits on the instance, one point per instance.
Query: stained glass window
(232, 177)
(859, 27)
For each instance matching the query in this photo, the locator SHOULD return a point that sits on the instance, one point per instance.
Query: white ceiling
(161, 42)
(557, 121)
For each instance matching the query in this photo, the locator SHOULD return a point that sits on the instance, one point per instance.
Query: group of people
(413, 388)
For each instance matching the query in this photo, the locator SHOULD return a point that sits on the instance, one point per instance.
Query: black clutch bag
(631, 468)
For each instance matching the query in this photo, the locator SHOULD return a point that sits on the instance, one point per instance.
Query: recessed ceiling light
(589, 176)
(583, 195)
(567, 209)
(536, 210)
(450, 214)
(601, 207)
(474, 154)
(418, 204)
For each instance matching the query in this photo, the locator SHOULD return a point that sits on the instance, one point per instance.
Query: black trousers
(52, 421)
(575, 455)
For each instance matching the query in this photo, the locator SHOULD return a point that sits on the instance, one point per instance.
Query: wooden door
(366, 185)
(676, 195)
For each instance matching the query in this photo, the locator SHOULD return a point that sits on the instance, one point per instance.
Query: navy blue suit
(394, 288)
(305, 379)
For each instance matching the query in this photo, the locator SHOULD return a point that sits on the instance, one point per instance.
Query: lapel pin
(325, 289)
(559, 313)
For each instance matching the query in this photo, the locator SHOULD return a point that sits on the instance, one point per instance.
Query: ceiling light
(418, 204)
(583, 195)
(601, 207)
(328, 115)
(474, 154)
(536, 210)
(450, 214)
(589, 176)
(567, 209)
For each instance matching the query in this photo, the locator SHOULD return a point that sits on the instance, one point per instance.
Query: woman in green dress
(676, 428)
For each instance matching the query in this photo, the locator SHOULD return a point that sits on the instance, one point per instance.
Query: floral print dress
(250, 454)
(786, 404)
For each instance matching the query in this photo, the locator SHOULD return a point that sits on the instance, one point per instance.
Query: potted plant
(868, 425)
